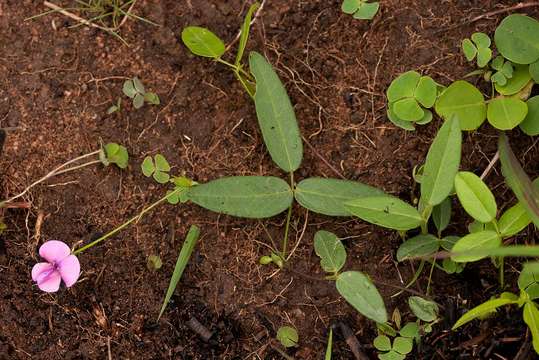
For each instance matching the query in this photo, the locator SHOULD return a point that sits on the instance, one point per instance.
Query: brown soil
(55, 89)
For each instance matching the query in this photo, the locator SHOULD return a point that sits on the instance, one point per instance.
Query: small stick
(75, 17)
(200, 329)
(501, 11)
(352, 341)
(490, 165)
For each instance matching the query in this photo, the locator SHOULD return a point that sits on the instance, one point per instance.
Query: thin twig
(75, 17)
(490, 165)
(501, 11)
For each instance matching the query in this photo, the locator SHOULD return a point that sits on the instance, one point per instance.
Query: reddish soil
(56, 84)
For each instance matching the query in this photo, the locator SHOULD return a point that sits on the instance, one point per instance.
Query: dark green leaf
(441, 215)
(418, 246)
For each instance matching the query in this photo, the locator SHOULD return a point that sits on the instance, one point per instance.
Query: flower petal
(70, 270)
(54, 251)
(50, 283)
(39, 269)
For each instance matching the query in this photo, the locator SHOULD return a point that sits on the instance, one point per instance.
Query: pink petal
(70, 270)
(50, 283)
(54, 251)
(40, 268)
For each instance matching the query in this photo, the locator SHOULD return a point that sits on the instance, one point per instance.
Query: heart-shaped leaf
(147, 166)
(475, 197)
(360, 292)
(482, 40)
(465, 101)
(203, 42)
(469, 49)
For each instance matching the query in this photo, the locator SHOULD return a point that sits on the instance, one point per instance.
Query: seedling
(478, 47)
(115, 108)
(154, 263)
(158, 167)
(288, 336)
(504, 71)
(134, 89)
(360, 9)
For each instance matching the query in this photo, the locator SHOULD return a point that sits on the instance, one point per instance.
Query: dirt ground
(56, 84)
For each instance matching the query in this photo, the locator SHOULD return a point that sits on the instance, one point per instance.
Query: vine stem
(127, 223)
(59, 170)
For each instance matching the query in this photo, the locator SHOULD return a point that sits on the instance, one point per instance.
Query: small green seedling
(115, 108)
(288, 336)
(113, 153)
(134, 89)
(360, 9)
(158, 167)
(478, 47)
(154, 263)
(503, 71)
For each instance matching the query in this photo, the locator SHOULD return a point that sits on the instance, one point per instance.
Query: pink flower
(60, 265)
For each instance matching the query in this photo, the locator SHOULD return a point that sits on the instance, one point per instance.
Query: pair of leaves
(360, 9)
(134, 89)
(463, 101)
(288, 336)
(113, 153)
(397, 351)
(478, 46)
(158, 167)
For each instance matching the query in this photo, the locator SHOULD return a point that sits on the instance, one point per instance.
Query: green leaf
(441, 214)
(406, 125)
(161, 163)
(329, 348)
(507, 69)
(498, 62)
(516, 39)
(403, 86)
(350, 6)
(403, 345)
(442, 164)
(154, 263)
(480, 311)
(244, 35)
(426, 91)
(534, 71)
(528, 280)
(360, 292)
(423, 309)
(276, 116)
(465, 101)
(243, 196)
(387, 211)
(448, 242)
(367, 10)
(392, 355)
(482, 240)
(129, 89)
(330, 250)
(513, 221)
(530, 125)
(483, 56)
(327, 196)
(482, 40)
(418, 246)
(499, 78)
(138, 85)
(181, 263)
(203, 42)
(138, 101)
(408, 109)
(161, 177)
(451, 267)
(469, 49)
(287, 336)
(427, 118)
(410, 330)
(521, 77)
(147, 166)
(475, 197)
(152, 98)
(117, 154)
(531, 318)
(386, 329)
(382, 343)
(518, 181)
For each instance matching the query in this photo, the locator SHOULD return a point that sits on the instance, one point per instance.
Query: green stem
(127, 223)
(425, 214)
(430, 276)
(287, 226)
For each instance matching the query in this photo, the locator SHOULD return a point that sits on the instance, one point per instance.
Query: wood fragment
(352, 341)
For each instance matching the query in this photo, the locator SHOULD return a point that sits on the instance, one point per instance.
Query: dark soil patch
(55, 88)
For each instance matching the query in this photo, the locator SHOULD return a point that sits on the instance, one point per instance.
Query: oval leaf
(420, 245)
(426, 91)
(441, 215)
(330, 250)
(288, 336)
(327, 196)
(506, 113)
(276, 115)
(423, 309)
(530, 125)
(475, 197)
(360, 292)
(442, 164)
(482, 240)
(243, 196)
(465, 101)
(203, 42)
(403, 86)
(387, 211)
(531, 318)
(516, 39)
(513, 221)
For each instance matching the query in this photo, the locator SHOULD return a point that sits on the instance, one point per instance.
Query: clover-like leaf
(148, 166)
(350, 6)
(483, 56)
(161, 177)
(403, 124)
(410, 330)
(116, 154)
(138, 85)
(403, 345)
(287, 336)
(482, 40)
(152, 98)
(426, 91)
(518, 81)
(403, 86)
(129, 88)
(469, 49)
(382, 343)
(138, 101)
(161, 163)
(408, 109)
(465, 101)
(367, 10)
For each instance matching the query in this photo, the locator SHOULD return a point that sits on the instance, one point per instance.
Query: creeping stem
(128, 222)
(287, 226)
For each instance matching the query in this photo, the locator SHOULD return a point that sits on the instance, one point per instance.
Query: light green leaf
(327, 196)
(498, 62)
(513, 221)
(406, 125)
(418, 246)
(138, 85)
(423, 309)
(382, 343)
(448, 242)
(531, 318)
(360, 292)
(329, 347)
(147, 166)
(534, 71)
(117, 154)
(161, 163)
(129, 89)
(243, 196)
(410, 330)
(392, 355)
(516, 39)
(161, 177)
(350, 6)
(483, 240)
(528, 279)
(465, 101)
(469, 49)
(152, 98)
(426, 91)
(481, 39)
(367, 10)
(483, 56)
(482, 310)
(507, 69)
(518, 181)
(499, 78)
(276, 116)
(385, 210)
(287, 336)
(403, 86)
(442, 164)
(403, 345)
(475, 197)
(203, 42)
(330, 250)
(244, 35)
(427, 118)
(521, 77)
(138, 101)
(181, 263)
(408, 109)
(530, 125)
(451, 267)
(441, 215)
